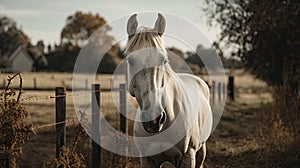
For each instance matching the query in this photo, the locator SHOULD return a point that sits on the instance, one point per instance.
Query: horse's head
(146, 60)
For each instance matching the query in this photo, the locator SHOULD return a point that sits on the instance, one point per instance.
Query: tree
(176, 58)
(110, 60)
(10, 36)
(81, 26)
(63, 58)
(6, 22)
(262, 34)
(195, 63)
(89, 33)
(38, 54)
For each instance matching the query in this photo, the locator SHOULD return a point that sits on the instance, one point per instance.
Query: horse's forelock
(144, 38)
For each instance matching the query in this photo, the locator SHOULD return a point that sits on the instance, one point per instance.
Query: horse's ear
(160, 24)
(132, 25)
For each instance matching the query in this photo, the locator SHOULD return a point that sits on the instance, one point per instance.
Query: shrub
(68, 159)
(14, 130)
(279, 130)
(70, 156)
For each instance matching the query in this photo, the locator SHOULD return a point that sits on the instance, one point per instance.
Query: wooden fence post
(86, 83)
(231, 87)
(123, 111)
(123, 126)
(60, 117)
(224, 91)
(213, 86)
(96, 153)
(34, 83)
(219, 91)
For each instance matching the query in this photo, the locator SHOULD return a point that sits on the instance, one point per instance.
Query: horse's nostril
(153, 125)
(163, 118)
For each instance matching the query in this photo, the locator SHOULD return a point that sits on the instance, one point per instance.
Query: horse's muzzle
(154, 126)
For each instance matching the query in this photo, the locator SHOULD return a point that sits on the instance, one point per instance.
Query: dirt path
(233, 143)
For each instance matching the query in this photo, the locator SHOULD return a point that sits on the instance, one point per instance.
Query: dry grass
(280, 130)
(14, 130)
(50, 80)
(234, 143)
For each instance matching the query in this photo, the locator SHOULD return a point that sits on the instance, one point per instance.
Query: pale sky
(43, 20)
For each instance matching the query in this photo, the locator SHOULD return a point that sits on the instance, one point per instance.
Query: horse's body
(166, 98)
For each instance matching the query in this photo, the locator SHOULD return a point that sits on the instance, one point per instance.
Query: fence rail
(218, 93)
(218, 90)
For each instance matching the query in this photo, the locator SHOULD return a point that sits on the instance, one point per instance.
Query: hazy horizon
(44, 20)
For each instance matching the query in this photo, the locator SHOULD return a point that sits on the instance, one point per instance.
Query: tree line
(76, 33)
(265, 37)
(60, 57)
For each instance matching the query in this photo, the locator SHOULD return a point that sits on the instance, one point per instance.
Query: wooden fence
(218, 93)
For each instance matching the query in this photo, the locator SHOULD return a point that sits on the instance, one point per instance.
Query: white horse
(167, 101)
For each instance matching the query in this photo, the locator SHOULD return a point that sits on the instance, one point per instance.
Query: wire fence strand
(55, 123)
(51, 97)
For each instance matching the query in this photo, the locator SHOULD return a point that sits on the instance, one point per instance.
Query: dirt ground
(232, 144)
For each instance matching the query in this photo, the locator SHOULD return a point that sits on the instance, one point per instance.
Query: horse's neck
(179, 86)
(174, 81)
(176, 99)
(173, 76)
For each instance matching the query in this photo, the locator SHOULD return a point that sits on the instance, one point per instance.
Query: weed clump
(14, 130)
(280, 130)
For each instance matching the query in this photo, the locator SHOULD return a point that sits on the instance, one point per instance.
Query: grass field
(232, 144)
(50, 80)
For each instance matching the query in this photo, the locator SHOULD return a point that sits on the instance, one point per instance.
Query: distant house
(20, 61)
(25, 60)
(208, 57)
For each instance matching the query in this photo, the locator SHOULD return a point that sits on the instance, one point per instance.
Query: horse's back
(199, 91)
(194, 81)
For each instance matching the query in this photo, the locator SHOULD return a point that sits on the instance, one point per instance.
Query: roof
(18, 51)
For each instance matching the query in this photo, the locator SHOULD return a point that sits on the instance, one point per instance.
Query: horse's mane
(145, 37)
